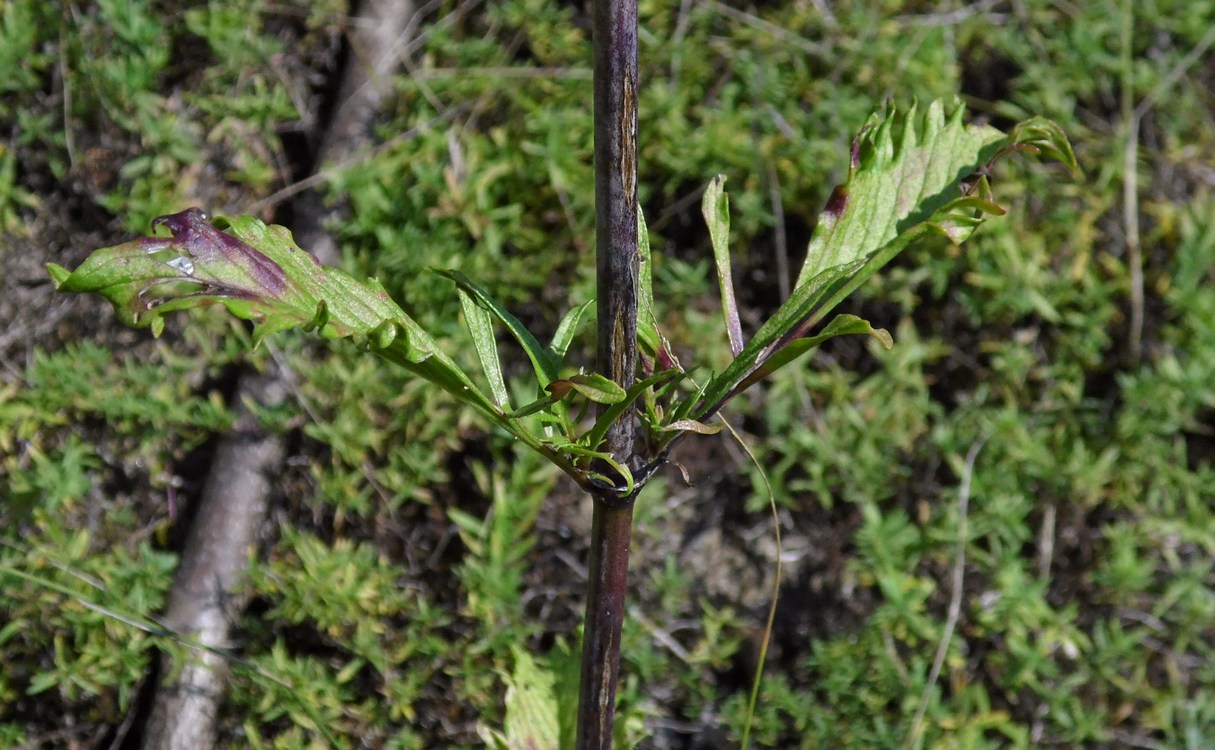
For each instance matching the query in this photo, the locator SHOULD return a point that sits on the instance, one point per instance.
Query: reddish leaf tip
(837, 203)
(192, 219)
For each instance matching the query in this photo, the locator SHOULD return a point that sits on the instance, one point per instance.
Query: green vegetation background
(410, 553)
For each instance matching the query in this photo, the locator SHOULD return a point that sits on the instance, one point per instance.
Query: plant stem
(606, 586)
(617, 268)
(617, 254)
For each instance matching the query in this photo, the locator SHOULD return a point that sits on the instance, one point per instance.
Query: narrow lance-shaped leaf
(594, 436)
(691, 425)
(911, 174)
(593, 386)
(481, 327)
(647, 323)
(715, 206)
(566, 330)
(840, 325)
(545, 363)
(649, 335)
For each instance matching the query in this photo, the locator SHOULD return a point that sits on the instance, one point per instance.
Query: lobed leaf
(911, 174)
(904, 169)
(531, 709)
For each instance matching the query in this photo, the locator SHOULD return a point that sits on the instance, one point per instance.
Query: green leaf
(682, 407)
(593, 386)
(544, 362)
(647, 323)
(566, 330)
(258, 273)
(691, 425)
(481, 326)
(787, 318)
(911, 174)
(840, 325)
(538, 405)
(594, 436)
(649, 335)
(716, 209)
(531, 709)
(585, 456)
(1041, 136)
(905, 168)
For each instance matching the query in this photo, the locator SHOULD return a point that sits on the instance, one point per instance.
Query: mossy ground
(408, 550)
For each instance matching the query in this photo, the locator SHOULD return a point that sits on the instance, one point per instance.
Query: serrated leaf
(904, 168)
(531, 708)
(258, 273)
(910, 174)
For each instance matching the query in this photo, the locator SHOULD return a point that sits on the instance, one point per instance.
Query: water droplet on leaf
(182, 264)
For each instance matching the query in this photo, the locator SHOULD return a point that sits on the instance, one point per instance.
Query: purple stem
(617, 267)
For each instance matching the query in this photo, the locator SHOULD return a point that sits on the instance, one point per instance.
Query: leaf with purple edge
(259, 274)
